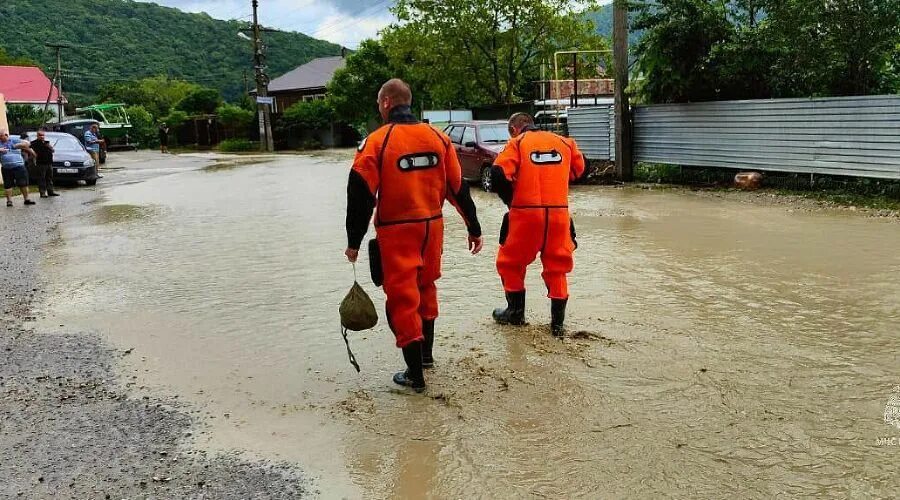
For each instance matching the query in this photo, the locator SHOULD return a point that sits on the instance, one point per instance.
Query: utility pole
(624, 160)
(266, 142)
(57, 80)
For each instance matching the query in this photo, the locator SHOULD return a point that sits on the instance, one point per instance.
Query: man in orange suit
(404, 171)
(532, 178)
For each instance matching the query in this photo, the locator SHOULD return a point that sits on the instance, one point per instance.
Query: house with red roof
(28, 85)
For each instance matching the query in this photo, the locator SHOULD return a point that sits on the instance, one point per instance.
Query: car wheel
(486, 178)
(91, 182)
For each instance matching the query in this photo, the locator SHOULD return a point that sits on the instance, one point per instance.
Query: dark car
(71, 162)
(78, 127)
(477, 144)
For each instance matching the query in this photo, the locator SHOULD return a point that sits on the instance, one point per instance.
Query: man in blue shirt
(92, 144)
(12, 164)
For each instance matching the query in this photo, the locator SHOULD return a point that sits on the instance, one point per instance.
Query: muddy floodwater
(716, 348)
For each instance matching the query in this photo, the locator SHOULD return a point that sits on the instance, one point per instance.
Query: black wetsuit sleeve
(464, 203)
(360, 206)
(501, 185)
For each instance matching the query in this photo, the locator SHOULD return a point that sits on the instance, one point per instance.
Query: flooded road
(716, 348)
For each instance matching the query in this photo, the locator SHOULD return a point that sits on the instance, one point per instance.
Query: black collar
(402, 114)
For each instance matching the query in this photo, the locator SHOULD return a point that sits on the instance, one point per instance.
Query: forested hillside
(118, 40)
(603, 20)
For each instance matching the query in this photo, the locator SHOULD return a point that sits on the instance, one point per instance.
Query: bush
(235, 118)
(237, 145)
(310, 114)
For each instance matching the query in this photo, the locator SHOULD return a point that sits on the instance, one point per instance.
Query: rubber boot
(428, 333)
(514, 314)
(558, 316)
(412, 377)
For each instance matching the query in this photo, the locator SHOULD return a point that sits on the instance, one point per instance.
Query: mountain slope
(114, 40)
(603, 20)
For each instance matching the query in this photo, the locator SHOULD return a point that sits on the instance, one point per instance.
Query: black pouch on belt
(375, 263)
(504, 228)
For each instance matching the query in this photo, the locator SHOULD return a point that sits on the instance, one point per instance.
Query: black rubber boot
(558, 316)
(428, 333)
(514, 314)
(412, 377)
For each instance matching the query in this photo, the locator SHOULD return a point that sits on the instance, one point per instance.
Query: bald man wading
(403, 172)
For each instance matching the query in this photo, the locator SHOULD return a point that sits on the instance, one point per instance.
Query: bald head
(518, 122)
(395, 92)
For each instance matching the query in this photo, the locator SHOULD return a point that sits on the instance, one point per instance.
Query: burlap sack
(357, 310)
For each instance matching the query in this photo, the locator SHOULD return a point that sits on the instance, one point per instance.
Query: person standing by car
(92, 144)
(12, 165)
(163, 138)
(532, 178)
(44, 152)
(407, 170)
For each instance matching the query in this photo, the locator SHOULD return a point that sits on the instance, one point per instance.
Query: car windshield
(66, 144)
(497, 134)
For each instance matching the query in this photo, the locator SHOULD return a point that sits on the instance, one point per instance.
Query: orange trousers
(411, 261)
(533, 230)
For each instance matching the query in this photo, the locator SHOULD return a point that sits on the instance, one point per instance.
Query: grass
(847, 199)
(840, 191)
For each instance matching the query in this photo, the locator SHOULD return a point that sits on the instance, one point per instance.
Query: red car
(477, 144)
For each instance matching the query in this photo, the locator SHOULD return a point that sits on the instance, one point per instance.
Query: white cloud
(345, 22)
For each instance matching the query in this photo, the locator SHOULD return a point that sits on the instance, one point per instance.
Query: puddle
(716, 349)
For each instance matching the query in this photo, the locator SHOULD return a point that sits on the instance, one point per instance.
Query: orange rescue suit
(532, 177)
(405, 171)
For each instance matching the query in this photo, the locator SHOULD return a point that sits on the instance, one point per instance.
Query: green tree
(23, 115)
(157, 94)
(8, 60)
(675, 52)
(695, 50)
(201, 101)
(493, 49)
(353, 89)
(143, 128)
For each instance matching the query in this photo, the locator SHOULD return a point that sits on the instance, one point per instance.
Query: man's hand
(352, 254)
(476, 244)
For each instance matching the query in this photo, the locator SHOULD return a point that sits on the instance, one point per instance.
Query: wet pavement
(716, 348)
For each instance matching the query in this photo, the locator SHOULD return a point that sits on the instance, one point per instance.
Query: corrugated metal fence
(855, 136)
(594, 129)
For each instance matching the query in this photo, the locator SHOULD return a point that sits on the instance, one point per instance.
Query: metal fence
(853, 136)
(594, 129)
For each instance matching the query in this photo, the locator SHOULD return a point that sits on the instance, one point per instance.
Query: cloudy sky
(345, 22)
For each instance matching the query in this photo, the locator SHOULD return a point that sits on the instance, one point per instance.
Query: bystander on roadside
(44, 154)
(12, 165)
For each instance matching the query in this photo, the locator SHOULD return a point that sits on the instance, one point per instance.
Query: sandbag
(357, 310)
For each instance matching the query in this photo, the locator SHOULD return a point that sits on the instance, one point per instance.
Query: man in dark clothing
(44, 153)
(163, 138)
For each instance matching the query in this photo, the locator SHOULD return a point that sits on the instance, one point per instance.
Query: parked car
(71, 161)
(477, 144)
(77, 127)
